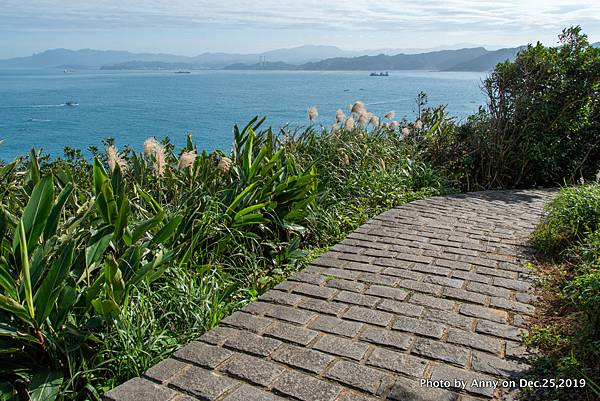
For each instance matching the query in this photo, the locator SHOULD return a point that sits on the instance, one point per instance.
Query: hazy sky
(191, 27)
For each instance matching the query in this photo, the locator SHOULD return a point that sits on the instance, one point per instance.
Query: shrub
(541, 124)
(572, 216)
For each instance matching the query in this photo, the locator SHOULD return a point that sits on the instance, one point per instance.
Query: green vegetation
(541, 124)
(568, 331)
(107, 268)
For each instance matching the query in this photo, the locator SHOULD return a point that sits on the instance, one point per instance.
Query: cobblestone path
(434, 289)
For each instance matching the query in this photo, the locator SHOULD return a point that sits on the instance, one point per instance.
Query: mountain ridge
(119, 59)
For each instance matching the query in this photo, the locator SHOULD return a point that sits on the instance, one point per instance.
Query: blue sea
(131, 106)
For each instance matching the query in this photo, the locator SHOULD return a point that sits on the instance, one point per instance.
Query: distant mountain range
(299, 58)
(89, 58)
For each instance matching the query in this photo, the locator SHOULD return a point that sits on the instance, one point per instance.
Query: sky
(191, 27)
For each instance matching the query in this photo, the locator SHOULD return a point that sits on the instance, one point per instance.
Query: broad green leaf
(36, 212)
(37, 265)
(34, 168)
(165, 233)
(100, 178)
(149, 200)
(45, 385)
(248, 210)
(66, 300)
(46, 295)
(98, 244)
(122, 219)
(241, 196)
(110, 202)
(256, 163)
(54, 216)
(10, 305)
(114, 279)
(147, 225)
(107, 308)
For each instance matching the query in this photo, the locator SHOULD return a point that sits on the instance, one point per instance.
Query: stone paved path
(434, 289)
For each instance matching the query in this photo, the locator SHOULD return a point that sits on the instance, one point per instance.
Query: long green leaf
(25, 271)
(111, 202)
(10, 305)
(53, 218)
(148, 268)
(241, 196)
(100, 177)
(122, 218)
(147, 225)
(98, 244)
(46, 295)
(36, 212)
(167, 230)
(34, 168)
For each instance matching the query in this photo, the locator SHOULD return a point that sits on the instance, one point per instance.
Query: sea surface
(131, 106)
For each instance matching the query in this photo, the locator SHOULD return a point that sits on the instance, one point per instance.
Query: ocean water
(131, 106)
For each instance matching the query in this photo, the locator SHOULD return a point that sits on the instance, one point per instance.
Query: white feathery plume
(187, 159)
(150, 146)
(160, 161)
(358, 107)
(390, 115)
(313, 113)
(363, 119)
(224, 164)
(114, 159)
(349, 124)
(374, 121)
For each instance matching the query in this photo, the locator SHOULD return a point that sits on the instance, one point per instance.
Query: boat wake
(34, 106)
(37, 120)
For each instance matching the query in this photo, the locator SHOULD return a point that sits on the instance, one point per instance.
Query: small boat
(379, 74)
(71, 103)
(182, 72)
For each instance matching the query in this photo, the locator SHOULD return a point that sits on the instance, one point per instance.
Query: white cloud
(386, 15)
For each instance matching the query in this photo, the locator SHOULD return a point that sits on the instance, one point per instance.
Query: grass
(566, 328)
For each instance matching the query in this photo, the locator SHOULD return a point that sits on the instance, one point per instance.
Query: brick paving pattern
(434, 289)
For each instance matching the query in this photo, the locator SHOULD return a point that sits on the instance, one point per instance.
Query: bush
(572, 216)
(541, 124)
